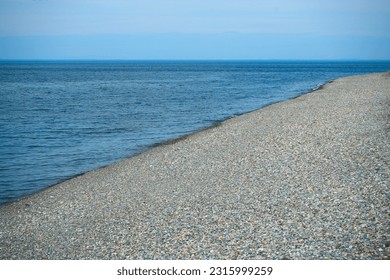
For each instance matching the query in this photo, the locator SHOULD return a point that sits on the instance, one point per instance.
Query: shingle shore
(303, 179)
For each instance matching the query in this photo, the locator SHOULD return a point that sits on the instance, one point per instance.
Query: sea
(59, 119)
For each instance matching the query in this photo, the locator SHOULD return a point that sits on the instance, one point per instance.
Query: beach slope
(303, 179)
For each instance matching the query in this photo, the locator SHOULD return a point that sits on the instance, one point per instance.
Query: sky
(195, 29)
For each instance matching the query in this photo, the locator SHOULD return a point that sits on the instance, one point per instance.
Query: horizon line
(189, 60)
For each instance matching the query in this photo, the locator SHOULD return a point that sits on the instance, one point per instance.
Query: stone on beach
(303, 179)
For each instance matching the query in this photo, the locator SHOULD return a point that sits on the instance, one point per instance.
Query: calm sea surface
(60, 119)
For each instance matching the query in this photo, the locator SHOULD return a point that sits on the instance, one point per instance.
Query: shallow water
(60, 119)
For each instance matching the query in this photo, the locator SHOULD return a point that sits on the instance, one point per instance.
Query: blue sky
(194, 29)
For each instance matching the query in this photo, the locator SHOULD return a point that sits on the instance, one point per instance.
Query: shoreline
(203, 195)
(164, 143)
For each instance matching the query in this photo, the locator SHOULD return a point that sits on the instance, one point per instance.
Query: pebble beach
(307, 178)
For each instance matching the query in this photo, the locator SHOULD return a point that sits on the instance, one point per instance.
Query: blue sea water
(60, 119)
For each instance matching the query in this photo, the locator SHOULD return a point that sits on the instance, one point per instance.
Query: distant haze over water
(60, 119)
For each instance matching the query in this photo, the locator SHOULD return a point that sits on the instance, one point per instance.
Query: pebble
(303, 179)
